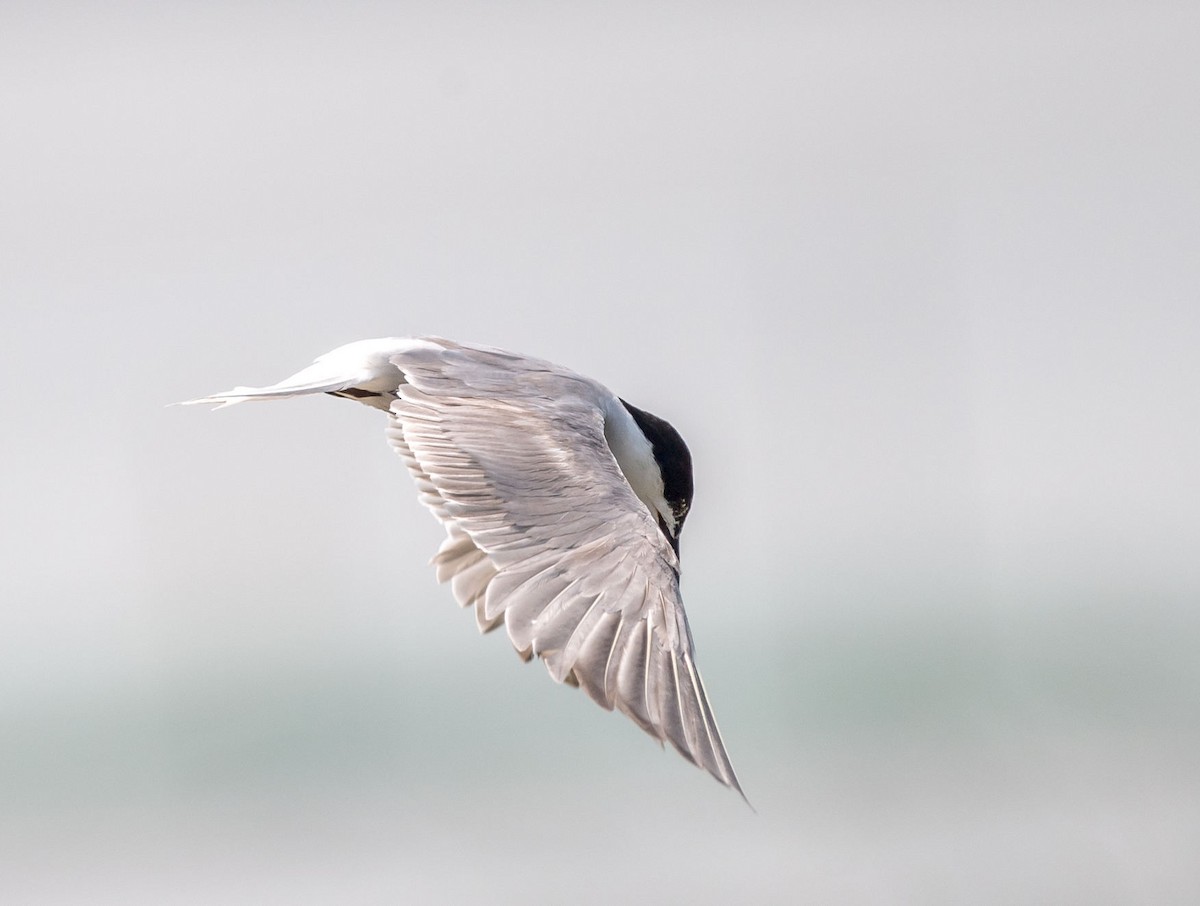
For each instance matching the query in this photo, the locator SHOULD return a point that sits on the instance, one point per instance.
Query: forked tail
(362, 371)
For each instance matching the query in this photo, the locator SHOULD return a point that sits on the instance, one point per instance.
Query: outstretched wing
(545, 535)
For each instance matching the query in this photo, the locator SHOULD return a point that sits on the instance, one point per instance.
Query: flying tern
(562, 505)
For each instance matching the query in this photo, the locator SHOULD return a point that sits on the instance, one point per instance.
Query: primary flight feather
(562, 505)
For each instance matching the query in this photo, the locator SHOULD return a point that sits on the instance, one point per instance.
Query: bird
(562, 505)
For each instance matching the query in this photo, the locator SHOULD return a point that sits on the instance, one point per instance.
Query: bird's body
(562, 506)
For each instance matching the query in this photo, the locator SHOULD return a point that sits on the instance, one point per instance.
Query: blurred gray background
(921, 287)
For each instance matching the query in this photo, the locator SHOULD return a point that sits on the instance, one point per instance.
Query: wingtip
(734, 785)
(749, 804)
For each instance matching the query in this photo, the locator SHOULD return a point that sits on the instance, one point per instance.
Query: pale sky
(920, 287)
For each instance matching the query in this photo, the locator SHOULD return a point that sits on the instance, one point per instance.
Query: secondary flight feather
(562, 505)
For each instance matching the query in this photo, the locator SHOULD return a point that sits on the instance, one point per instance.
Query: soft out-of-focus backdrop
(920, 285)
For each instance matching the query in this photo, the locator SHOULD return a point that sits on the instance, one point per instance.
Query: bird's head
(670, 501)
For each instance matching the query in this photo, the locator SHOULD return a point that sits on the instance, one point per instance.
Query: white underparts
(635, 455)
